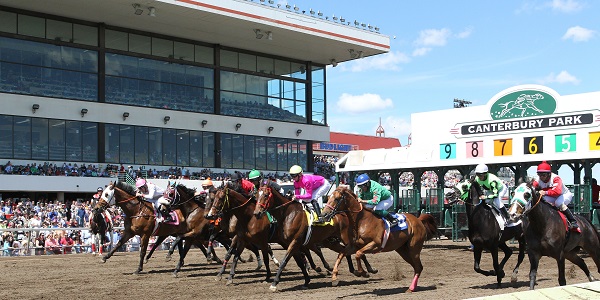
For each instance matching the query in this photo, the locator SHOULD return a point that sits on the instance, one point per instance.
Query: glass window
(282, 154)
(261, 152)
(318, 96)
(8, 22)
(74, 142)
(141, 145)
(85, 35)
(298, 70)
(90, 141)
(184, 51)
(169, 147)
(204, 55)
(116, 40)
(249, 150)
(126, 144)
(183, 148)
(247, 62)
(162, 47)
(155, 146)
(208, 151)
(271, 154)
(226, 151)
(237, 146)
(59, 30)
(229, 59)
(111, 143)
(6, 136)
(22, 135)
(57, 139)
(292, 152)
(32, 26)
(302, 154)
(282, 68)
(196, 148)
(265, 65)
(39, 138)
(140, 43)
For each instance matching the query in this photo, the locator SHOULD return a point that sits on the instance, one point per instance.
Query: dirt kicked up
(448, 274)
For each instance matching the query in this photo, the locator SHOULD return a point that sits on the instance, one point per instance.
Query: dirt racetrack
(448, 274)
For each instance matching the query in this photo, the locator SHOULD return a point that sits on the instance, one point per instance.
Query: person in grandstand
(373, 195)
(554, 191)
(315, 187)
(494, 189)
(154, 194)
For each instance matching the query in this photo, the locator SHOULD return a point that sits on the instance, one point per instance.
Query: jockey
(315, 187)
(154, 194)
(493, 187)
(106, 213)
(255, 177)
(373, 195)
(245, 185)
(555, 192)
(207, 185)
(463, 188)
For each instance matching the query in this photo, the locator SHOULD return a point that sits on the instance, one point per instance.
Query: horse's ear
(520, 181)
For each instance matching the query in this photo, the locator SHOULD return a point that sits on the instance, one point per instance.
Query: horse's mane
(122, 185)
(187, 190)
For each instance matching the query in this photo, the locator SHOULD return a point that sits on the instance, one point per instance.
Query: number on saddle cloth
(401, 221)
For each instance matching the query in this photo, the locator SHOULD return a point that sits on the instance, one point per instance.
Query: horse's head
(107, 198)
(338, 200)
(219, 202)
(264, 200)
(521, 201)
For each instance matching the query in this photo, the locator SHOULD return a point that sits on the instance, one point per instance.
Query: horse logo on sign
(521, 104)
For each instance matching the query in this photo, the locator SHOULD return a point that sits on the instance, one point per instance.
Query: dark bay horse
(368, 229)
(249, 231)
(547, 235)
(140, 218)
(100, 228)
(485, 234)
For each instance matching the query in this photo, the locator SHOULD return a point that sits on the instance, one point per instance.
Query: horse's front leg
(497, 266)
(360, 272)
(336, 267)
(182, 255)
(238, 252)
(158, 242)
(231, 250)
(562, 280)
(143, 248)
(534, 261)
(292, 248)
(477, 250)
(176, 243)
(124, 238)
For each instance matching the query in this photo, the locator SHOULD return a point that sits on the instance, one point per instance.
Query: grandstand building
(341, 143)
(221, 84)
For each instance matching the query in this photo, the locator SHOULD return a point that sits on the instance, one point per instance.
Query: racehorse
(547, 234)
(271, 200)
(486, 234)
(141, 219)
(100, 228)
(369, 233)
(249, 231)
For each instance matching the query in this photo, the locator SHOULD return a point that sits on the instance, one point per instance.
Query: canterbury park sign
(524, 110)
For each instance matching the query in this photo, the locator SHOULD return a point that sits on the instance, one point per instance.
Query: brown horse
(294, 226)
(547, 235)
(368, 233)
(140, 218)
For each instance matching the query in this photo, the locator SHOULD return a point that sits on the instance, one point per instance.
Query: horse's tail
(430, 225)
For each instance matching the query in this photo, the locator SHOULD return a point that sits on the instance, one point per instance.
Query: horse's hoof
(305, 287)
(136, 273)
(318, 269)
(218, 278)
(220, 262)
(335, 282)
(328, 272)
(513, 279)
(273, 288)
(366, 275)
(168, 258)
(408, 291)
(175, 274)
(229, 281)
(373, 271)
(250, 258)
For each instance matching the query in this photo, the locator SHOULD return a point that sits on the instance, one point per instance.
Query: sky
(469, 50)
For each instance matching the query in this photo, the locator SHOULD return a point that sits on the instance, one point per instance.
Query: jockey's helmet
(100, 189)
(544, 167)
(237, 176)
(140, 182)
(254, 174)
(207, 182)
(295, 169)
(481, 169)
(362, 179)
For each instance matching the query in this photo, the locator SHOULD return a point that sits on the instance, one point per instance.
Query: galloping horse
(368, 233)
(547, 235)
(485, 234)
(99, 227)
(140, 218)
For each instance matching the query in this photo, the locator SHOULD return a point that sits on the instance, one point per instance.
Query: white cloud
(465, 33)
(433, 37)
(396, 127)
(363, 103)
(562, 77)
(421, 51)
(579, 34)
(389, 61)
(566, 6)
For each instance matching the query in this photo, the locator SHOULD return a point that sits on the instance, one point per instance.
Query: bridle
(335, 209)
(265, 206)
(228, 203)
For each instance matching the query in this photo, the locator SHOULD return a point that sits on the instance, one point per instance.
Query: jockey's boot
(317, 209)
(504, 213)
(166, 213)
(393, 221)
(571, 218)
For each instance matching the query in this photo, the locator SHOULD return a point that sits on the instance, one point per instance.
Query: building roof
(364, 142)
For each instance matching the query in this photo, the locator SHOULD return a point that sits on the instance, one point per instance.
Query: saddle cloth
(311, 216)
(500, 219)
(400, 226)
(158, 219)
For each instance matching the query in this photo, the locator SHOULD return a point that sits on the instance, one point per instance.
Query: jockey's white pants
(383, 204)
(497, 202)
(319, 193)
(561, 200)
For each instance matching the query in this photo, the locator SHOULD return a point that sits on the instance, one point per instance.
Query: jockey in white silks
(154, 194)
